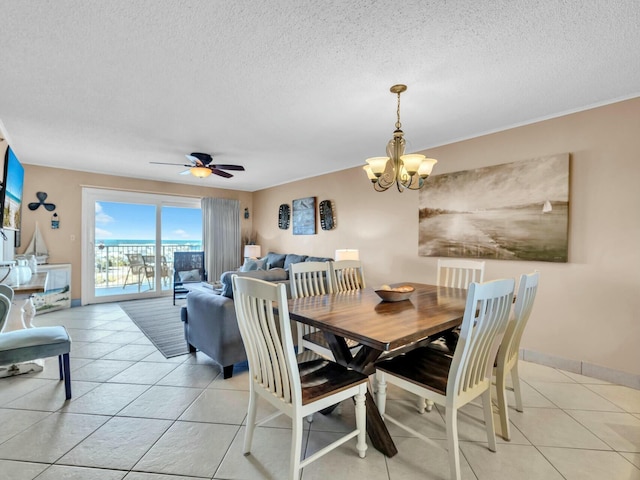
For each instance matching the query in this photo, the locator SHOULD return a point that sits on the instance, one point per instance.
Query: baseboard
(584, 368)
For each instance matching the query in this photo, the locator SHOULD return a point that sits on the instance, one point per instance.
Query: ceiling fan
(200, 166)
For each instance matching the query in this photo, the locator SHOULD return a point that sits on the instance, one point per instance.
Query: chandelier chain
(398, 124)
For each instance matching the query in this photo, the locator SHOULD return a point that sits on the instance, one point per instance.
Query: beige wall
(64, 189)
(587, 310)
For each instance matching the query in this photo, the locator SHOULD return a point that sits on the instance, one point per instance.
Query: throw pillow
(253, 264)
(293, 258)
(190, 276)
(275, 260)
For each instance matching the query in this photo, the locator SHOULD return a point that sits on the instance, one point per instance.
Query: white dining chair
(459, 273)
(507, 359)
(455, 273)
(308, 279)
(347, 275)
(454, 381)
(295, 389)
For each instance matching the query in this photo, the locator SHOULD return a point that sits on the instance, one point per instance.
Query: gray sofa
(209, 319)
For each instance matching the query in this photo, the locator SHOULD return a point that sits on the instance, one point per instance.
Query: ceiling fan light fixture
(200, 172)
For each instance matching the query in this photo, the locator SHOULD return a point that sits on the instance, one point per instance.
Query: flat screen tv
(11, 194)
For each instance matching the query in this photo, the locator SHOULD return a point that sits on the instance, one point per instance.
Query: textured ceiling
(293, 89)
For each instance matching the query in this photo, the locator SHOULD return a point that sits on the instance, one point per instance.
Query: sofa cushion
(272, 275)
(275, 260)
(293, 258)
(319, 259)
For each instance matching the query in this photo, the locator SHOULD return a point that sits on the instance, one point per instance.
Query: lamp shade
(347, 254)
(252, 251)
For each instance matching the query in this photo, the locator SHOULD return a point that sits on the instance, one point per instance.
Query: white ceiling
(293, 89)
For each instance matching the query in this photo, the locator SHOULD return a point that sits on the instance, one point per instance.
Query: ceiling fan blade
(221, 173)
(185, 172)
(204, 158)
(165, 163)
(239, 168)
(195, 161)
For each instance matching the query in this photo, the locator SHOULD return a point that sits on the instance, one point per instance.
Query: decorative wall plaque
(327, 222)
(284, 216)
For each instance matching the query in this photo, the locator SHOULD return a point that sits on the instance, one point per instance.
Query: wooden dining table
(387, 328)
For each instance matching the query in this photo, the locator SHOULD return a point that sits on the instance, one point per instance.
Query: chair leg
(488, 419)
(296, 449)
(515, 379)
(361, 421)
(381, 394)
(501, 392)
(67, 375)
(451, 417)
(227, 371)
(251, 421)
(424, 404)
(60, 366)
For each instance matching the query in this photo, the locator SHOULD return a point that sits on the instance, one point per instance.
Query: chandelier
(405, 171)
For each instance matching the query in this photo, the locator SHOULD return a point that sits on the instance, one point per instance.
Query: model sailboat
(546, 208)
(37, 247)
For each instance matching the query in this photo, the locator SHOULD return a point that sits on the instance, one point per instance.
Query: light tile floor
(138, 416)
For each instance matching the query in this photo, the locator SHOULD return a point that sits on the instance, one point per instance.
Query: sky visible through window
(128, 221)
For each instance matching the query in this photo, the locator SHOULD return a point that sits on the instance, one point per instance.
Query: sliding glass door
(128, 242)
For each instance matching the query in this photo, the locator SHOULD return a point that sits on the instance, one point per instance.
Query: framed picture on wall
(513, 211)
(304, 216)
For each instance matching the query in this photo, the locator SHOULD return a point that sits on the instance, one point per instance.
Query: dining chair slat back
(263, 342)
(308, 279)
(459, 273)
(507, 359)
(297, 390)
(455, 381)
(347, 276)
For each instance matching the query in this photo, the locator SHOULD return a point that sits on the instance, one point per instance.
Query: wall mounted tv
(11, 194)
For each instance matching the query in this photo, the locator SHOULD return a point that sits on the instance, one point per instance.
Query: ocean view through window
(132, 241)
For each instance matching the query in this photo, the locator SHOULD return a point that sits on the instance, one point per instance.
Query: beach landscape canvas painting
(513, 211)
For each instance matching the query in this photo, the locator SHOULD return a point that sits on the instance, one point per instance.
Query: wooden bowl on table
(395, 294)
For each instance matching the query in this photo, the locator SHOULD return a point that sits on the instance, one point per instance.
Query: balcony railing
(112, 264)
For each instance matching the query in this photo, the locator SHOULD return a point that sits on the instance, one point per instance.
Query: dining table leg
(364, 362)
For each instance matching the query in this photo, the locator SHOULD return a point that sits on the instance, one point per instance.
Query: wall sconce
(55, 221)
(246, 213)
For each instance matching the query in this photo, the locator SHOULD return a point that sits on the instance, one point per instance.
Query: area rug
(160, 321)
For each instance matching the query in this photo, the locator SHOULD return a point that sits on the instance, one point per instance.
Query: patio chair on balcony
(188, 267)
(138, 270)
(165, 271)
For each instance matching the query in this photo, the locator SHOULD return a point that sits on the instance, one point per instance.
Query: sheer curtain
(220, 235)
